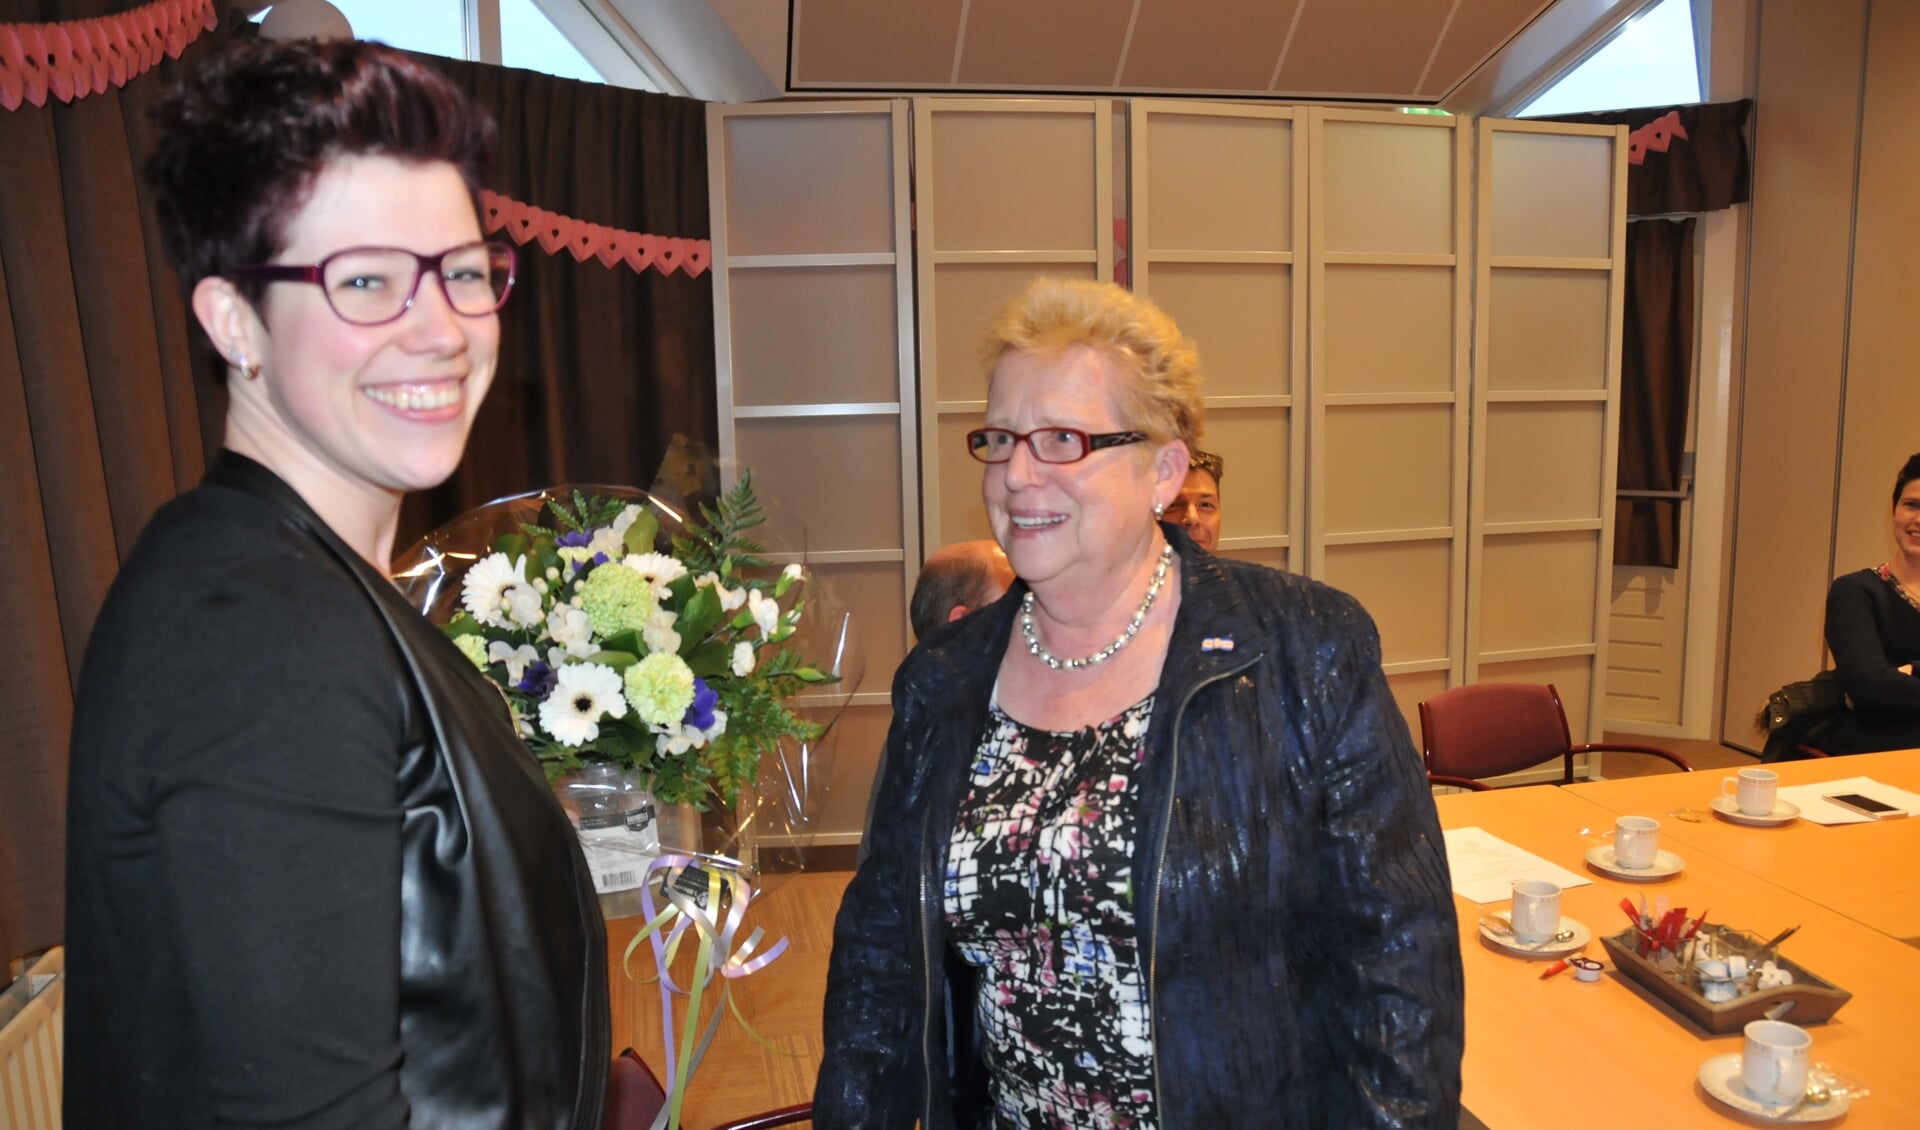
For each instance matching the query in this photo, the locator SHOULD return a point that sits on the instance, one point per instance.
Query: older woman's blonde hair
(1159, 367)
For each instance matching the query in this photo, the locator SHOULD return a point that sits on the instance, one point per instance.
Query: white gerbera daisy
(484, 590)
(582, 694)
(659, 570)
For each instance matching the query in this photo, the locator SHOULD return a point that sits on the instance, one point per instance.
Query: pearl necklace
(1107, 652)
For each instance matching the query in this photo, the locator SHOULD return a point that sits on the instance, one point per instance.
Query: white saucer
(1664, 865)
(1507, 943)
(1720, 1077)
(1728, 808)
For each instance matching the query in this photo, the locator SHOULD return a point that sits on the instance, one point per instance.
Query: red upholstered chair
(635, 1098)
(1490, 729)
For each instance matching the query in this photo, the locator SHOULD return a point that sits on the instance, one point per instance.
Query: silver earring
(1159, 508)
(248, 369)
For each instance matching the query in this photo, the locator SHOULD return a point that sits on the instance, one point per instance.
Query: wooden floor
(739, 1076)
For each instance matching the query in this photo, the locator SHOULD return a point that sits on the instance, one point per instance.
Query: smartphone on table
(1867, 806)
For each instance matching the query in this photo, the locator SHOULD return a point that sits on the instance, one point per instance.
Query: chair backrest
(30, 1053)
(634, 1096)
(1487, 729)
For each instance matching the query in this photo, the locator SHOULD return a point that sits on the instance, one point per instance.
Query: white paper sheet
(1810, 800)
(1484, 866)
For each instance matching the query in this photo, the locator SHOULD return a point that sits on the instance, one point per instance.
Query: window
(528, 39)
(1650, 62)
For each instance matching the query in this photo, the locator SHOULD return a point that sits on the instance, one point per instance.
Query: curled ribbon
(693, 888)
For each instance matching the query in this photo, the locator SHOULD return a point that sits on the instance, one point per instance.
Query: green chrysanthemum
(617, 599)
(474, 648)
(660, 688)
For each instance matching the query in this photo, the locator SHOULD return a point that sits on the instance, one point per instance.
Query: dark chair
(635, 1098)
(1489, 729)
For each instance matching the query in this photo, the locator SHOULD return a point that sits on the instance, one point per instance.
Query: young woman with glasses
(1150, 845)
(313, 877)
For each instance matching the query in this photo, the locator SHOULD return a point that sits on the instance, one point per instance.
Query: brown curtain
(1656, 370)
(1680, 159)
(101, 419)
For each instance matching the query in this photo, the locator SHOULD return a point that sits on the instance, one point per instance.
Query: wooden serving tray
(1809, 1000)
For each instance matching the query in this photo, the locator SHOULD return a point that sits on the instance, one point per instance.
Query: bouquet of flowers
(676, 665)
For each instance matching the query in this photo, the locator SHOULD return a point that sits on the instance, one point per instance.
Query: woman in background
(313, 877)
(1873, 630)
(1151, 845)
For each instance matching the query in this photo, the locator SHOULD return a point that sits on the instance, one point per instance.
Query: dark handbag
(1818, 695)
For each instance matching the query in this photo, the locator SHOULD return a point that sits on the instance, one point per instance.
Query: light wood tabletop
(1566, 1053)
(1869, 872)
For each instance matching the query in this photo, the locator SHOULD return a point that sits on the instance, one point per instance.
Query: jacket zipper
(926, 965)
(1159, 866)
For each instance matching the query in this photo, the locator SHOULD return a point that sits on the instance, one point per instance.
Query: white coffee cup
(1773, 1062)
(1753, 790)
(1536, 910)
(1636, 842)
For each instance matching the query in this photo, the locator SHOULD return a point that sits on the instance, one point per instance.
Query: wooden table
(1566, 1053)
(1869, 872)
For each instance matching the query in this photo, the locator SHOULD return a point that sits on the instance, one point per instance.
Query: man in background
(957, 579)
(1197, 507)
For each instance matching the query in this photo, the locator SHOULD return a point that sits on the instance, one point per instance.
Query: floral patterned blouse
(1039, 894)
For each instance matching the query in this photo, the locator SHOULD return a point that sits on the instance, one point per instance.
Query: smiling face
(1197, 509)
(1906, 523)
(1071, 523)
(366, 412)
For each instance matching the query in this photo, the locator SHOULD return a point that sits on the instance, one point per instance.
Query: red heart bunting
(75, 58)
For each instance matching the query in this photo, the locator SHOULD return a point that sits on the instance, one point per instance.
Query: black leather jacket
(482, 919)
(1292, 896)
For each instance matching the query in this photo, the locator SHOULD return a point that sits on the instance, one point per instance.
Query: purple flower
(700, 714)
(578, 538)
(538, 681)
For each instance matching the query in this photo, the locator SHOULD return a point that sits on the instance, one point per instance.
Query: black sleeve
(872, 1015)
(277, 829)
(1396, 992)
(1857, 628)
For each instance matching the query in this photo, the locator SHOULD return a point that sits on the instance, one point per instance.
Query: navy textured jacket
(1291, 889)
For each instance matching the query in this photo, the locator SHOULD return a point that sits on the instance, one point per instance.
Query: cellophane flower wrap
(621, 630)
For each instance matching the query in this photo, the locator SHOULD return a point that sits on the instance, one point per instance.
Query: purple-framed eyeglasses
(371, 286)
(1049, 445)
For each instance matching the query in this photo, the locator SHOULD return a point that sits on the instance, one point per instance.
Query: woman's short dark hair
(242, 136)
(1908, 472)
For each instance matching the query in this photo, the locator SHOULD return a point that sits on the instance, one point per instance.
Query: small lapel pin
(1216, 643)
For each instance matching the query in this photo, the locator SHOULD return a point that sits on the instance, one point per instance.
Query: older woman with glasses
(313, 877)
(1151, 846)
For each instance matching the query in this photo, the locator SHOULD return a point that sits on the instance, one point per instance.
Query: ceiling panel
(1220, 45)
(861, 43)
(1478, 31)
(1395, 51)
(1023, 45)
(1362, 48)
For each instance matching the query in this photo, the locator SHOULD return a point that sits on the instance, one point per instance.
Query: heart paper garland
(75, 58)
(525, 223)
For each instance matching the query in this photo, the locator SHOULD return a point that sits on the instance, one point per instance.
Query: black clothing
(314, 879)
(1293, 906)
(1872, 631)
